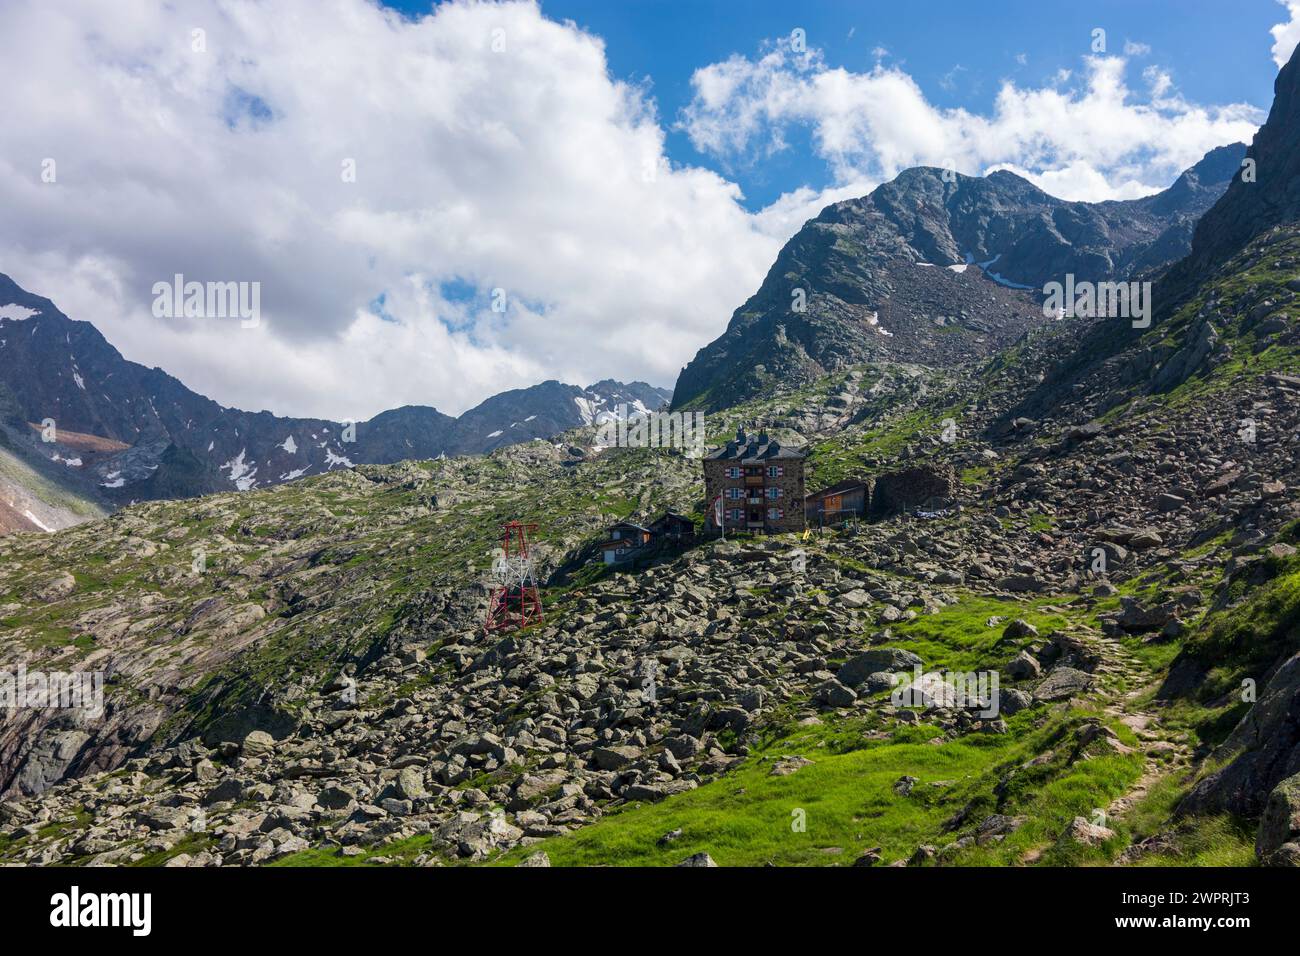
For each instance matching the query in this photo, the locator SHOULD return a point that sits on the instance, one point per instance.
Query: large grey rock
(614, 758)
(1063, 683)
(857, 669)
(229, 789)
(1086, 833)
(833, 694)
(1262, 751)
(410, 784)
(1023, 666)
(1280, 823)
(258, 743)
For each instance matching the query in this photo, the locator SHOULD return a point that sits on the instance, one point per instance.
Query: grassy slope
(15, 472)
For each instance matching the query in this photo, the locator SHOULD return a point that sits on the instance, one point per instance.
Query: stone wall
(910, 488)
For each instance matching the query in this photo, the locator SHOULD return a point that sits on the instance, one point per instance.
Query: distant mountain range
(934, 268)
(124, 432)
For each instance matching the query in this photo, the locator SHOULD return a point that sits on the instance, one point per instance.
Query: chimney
(740, 435)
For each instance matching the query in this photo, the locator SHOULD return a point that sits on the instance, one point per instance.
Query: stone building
(761, 483)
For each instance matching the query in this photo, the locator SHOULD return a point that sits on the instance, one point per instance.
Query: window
(774, 493)
(735, 494)
(775, 471)
(775, 514)
(737, 514)
(733, 472)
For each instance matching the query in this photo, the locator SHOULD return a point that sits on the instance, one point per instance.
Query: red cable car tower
(514, 602)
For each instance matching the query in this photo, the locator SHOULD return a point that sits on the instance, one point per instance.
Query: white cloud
(1091, 139)
(527, 169)
(1134, 48)
(1286, 35)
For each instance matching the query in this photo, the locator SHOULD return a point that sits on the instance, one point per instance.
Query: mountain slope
(1256, 203)
(930, 268)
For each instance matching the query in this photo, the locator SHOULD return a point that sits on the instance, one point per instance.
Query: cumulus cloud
(496, 161)
(492, 151)
(1090, 137)
(1286, 35)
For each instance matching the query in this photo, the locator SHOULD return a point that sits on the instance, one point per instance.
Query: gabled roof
(848, 484)
(755, 448)
(629, 524)
(671, 516)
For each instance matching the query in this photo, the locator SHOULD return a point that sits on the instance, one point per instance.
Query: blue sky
(958, 52)
(434, 217)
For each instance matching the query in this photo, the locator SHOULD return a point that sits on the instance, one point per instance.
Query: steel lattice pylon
(515, 602)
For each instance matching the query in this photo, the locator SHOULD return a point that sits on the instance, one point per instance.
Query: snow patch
(289, 445)
(873, 320)
(586, 409)
(296, 473)
(495, 434)
(17, 313)
(1006, 282)
(81, 383)
(37, 521)
(332, 459)
(243, 475)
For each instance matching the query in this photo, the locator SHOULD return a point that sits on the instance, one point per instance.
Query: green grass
(959, 638)
(1246, 640)
(848, 801)
(1219, 840)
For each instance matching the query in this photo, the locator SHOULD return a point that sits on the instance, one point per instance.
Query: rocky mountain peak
(935, 267)
(1262, 193)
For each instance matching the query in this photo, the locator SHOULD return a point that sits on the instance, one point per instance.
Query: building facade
(842, 501)
(626, 540)
(760, 482)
